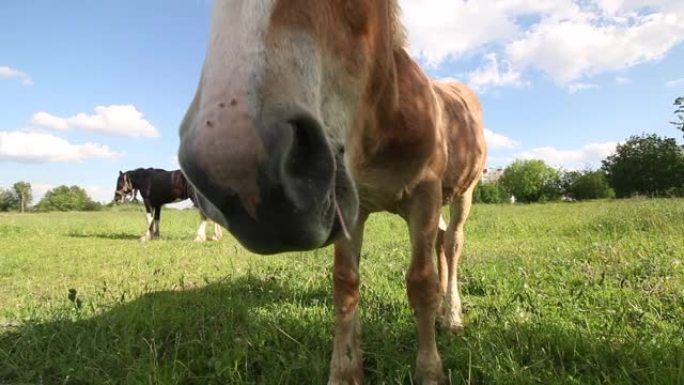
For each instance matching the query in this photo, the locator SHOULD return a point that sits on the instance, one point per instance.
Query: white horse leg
(150, 223)
(201, 231)
(218, 232)
(452, 311)
(154, 223)
(150, 229)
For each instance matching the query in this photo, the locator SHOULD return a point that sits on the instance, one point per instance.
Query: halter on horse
(124, 189)
(309, 116)
(158, 187)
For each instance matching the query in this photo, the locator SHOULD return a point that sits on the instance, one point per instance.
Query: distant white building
(491, 175)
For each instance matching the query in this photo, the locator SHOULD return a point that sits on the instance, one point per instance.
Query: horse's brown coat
(411, 145)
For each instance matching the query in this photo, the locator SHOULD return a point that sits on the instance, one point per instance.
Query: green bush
(646, 165)
(587, 184)
(8, 200)
(532, 181)
(490, 192)
(64, 198)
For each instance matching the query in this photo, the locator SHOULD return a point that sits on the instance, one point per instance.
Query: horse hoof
(199, 239)
(352, 381)
(346, 372)
(429, 369)
(452, 325)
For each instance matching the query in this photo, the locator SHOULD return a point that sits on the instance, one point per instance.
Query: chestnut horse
(309, 116)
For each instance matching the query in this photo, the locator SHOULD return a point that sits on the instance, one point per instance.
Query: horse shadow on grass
(254, 330)
(248, 330)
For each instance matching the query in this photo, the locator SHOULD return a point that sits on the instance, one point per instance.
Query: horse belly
(462, 172)
(463, 131)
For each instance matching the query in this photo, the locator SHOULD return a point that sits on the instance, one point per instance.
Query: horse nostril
(309, 156)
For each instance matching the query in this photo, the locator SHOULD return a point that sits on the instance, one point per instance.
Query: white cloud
(44, 119)
(36, 147)
(123, 120)
(675, 83)
(39, 190)
(439, 29)
(576, 87)
(99, 193)
(12, 73)
(568, 40)
(590, 154)
(569, 50)
(494, 73)
(495, 140)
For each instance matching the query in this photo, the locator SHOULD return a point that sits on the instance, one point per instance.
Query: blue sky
(88, 88)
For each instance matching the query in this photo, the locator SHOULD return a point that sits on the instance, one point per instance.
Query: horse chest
(386, 176)
(373, 198)
(386, 187)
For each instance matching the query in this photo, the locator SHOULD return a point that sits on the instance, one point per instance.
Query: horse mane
(143, 169)
(397, 29)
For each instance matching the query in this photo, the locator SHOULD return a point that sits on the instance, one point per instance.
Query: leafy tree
(64, 198)
(679, 112)
(490, 192)
(531, 181)
(24, 194)
(646, 165)
(587, 184)
(568, 179)
(8, 200)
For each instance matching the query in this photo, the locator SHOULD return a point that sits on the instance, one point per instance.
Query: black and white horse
(158, 187)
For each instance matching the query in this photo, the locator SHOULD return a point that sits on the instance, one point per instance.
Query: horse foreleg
(202, 230)
(452, 311)
(422, 282)
(346, 364)
(157, 215)
(218, 232)
(149, 214)
(443, 269)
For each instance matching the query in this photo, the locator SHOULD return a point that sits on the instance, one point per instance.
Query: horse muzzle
(273, 182)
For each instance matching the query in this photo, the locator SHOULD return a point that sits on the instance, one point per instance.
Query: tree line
(645, 165)
(62, 198)
(17, 198)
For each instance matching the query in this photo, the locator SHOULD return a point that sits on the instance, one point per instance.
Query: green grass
(573, 293)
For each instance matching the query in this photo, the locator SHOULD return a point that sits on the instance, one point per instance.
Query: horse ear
(120, 173)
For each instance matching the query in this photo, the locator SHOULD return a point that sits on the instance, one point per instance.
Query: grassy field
(571, 293)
